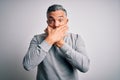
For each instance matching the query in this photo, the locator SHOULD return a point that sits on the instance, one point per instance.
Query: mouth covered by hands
(56, 35)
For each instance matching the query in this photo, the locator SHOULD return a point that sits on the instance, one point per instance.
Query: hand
(56, 35)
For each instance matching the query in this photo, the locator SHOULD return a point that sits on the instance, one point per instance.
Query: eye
(60, 20)
(50, 20)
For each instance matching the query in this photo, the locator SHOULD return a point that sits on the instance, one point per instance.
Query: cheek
(65, 22)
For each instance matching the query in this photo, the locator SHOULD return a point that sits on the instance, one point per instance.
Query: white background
(97, 21)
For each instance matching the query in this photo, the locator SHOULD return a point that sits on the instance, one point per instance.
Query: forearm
(35, 54)
(75, 58)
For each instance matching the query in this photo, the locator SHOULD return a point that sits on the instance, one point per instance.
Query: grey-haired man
(57, 54)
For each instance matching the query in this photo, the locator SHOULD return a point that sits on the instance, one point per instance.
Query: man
(56, 53)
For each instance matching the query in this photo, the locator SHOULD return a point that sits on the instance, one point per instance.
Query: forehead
(56, 14)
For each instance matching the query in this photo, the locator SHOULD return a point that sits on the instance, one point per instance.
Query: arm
(76, 57)
(38, 50)
(36, 53)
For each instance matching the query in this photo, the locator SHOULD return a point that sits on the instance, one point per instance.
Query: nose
(56, 24)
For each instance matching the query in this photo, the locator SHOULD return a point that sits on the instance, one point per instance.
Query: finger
(64, 29)
(65, 25)
(61, 28)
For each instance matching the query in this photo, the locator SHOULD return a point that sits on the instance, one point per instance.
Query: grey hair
(56, 7)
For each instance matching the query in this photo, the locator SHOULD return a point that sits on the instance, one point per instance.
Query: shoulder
(73, 36)
(39, 37)
(76, 39)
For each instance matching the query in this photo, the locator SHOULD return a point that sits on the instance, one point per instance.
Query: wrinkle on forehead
(56, 14)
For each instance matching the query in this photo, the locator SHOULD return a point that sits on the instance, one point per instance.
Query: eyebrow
(58, 16)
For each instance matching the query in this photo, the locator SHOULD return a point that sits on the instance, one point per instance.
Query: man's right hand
(55, 35)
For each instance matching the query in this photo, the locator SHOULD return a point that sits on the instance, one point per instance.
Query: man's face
(56, 19)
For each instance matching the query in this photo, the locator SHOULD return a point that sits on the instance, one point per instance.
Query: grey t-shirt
(55, 63)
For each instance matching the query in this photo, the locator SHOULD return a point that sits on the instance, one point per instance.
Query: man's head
(56, 16)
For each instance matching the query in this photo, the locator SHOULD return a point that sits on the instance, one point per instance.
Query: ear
(47, 21)
(67, 21)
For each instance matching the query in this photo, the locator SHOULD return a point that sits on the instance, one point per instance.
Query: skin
(57, 28)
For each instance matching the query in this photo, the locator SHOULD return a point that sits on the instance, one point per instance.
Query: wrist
(59, 43)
